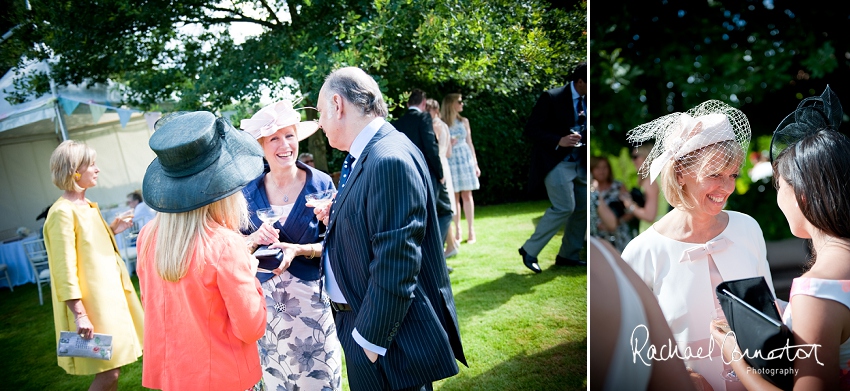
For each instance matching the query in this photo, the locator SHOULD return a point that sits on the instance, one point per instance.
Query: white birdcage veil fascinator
(680, 137)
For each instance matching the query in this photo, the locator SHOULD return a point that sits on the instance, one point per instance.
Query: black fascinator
(812, 115)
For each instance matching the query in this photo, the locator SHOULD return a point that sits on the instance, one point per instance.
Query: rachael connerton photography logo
(647, 351)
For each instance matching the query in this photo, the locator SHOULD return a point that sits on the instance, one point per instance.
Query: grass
(520, 331)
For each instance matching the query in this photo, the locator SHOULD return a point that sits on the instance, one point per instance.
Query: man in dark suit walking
(417, 126)
(559, 161)
(385, 273)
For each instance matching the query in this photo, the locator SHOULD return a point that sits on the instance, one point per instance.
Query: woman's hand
(121, 224)
(290, 251)
(266, 234)
(84, 327)
(700, 384)
(477, 171)
(724, 338)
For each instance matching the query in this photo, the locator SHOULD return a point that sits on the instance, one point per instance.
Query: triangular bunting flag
(96, 112)
(124, 116)
(68, 105)
(151, 118)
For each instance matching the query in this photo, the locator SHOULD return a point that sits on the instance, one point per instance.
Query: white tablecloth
(13, 255)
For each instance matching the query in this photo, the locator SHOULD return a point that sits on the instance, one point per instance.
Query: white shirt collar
(414, 108)
(362, 139)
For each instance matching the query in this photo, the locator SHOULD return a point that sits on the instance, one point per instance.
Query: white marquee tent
(30, 131)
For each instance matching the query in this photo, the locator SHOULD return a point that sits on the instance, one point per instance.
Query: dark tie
(577, 154)
(346, 170)
(580, 113)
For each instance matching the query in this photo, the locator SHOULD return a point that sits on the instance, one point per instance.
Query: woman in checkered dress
(462, 162)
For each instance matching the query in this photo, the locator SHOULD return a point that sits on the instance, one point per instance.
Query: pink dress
(835, 290)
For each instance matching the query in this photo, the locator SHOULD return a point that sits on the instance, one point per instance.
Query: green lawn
(520, 331)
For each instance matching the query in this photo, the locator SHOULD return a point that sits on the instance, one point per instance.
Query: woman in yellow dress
(89, 283)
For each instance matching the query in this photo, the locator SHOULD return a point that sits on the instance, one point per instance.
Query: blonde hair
(179, 235)
(448, 111)
(66, 159)
(432, 105)
(700, 163)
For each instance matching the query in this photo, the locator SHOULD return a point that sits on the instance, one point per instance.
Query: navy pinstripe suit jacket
(385, 249)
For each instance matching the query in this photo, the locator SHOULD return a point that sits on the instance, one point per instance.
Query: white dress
(623, 373)
(682, 284)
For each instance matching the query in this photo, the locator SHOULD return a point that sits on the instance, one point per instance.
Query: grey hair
(359, 88)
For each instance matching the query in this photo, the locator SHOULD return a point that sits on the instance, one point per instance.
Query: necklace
(285, 190)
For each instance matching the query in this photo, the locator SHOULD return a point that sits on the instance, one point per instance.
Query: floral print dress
(300, 350)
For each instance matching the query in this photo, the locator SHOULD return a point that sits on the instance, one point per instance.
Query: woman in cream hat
(688, 252)
(300, 348)
(204, 310)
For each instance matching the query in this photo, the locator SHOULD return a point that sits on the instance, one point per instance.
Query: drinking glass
(320, 200)
(270, 215)
(577, 131)
(718, 319)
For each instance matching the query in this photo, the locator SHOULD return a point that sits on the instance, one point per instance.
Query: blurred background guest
(463, 163)
(297, 316)
(307, 158)
(90, 286)
(642, 202)
(142, 213)
(608, 191)
(444, 142)
(205, 309)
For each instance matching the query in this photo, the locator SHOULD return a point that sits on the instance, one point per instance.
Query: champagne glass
(320, 200)
(270, 215)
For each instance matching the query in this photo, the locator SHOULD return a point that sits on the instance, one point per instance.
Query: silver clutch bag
(72, 345)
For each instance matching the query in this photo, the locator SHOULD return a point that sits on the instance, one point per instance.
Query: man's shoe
(529, 261)
(561, 261)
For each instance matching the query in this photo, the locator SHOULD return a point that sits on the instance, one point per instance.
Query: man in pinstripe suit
(385, 273)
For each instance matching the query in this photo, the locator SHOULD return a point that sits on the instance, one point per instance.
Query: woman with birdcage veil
(687, 253)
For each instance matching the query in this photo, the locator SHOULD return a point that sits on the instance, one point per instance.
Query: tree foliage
(651, 58)
(179, 54)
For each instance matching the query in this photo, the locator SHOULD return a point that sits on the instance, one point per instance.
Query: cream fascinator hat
(680, 136)
(276, 116)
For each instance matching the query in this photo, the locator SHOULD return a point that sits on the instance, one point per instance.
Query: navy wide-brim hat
(200, 159)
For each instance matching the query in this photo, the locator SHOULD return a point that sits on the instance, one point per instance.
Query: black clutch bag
(762, 337)
(269, 258)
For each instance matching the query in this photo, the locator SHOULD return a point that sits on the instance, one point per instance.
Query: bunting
(151, 118)
(124, 116)
(68, 105)
(96, 111)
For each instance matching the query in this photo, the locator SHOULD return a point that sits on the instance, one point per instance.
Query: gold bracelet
(81, 316)
(312, 252)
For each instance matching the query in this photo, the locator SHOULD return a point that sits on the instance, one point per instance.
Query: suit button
(389, 338)
(396, 324)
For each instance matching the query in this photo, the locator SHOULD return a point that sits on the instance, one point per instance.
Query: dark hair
(818, 170)
(596, 160)
(579, 72)
(417, 96)
(136, 195)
